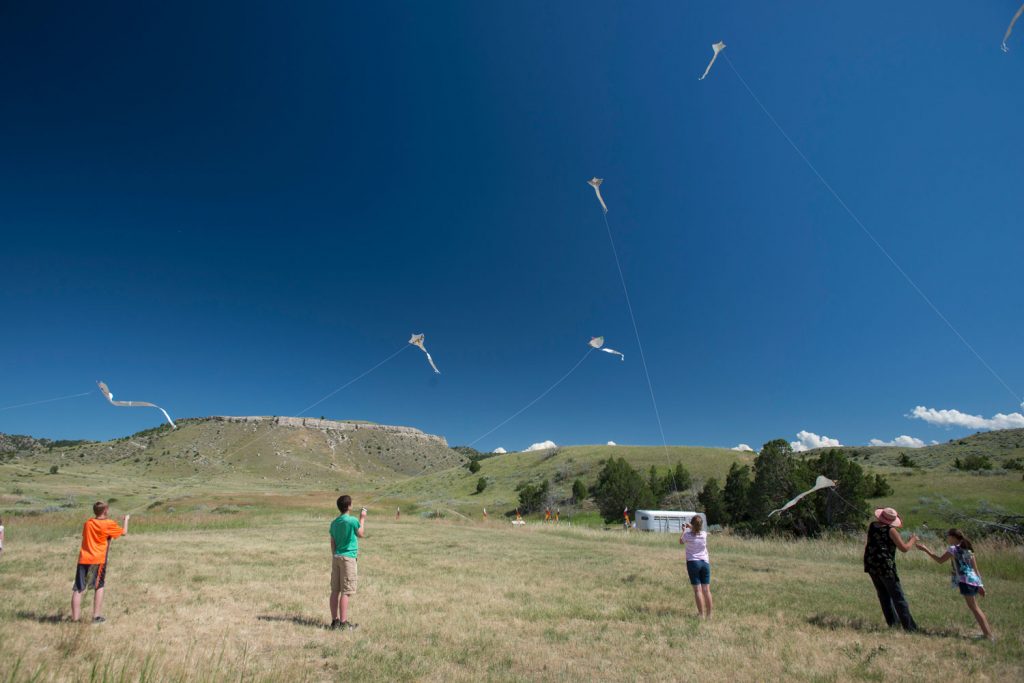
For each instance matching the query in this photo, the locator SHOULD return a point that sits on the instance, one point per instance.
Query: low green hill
(455, 489)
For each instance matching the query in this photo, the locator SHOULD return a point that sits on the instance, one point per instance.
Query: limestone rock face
(333, 426)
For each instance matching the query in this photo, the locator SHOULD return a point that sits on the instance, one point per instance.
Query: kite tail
(431, 361)
(173, 426)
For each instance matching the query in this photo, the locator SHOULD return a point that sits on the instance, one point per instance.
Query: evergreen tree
(659, 485)
(772, 485)
(481, 484)
(710, 499)
(579, 491)
(620, 486)
(735, 496)
(474, 466)
(681, 480)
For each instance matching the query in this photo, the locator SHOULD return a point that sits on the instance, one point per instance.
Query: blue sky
(235, 208)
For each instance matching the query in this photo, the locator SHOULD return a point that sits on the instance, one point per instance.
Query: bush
(474, 466)
(973, 463)
(54, 469)
(532, 496)
(880, 487)
(579, 491)
(481, 484)
(1013, 464)
(906, 461)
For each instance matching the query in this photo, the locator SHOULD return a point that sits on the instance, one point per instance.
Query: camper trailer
(666, 520)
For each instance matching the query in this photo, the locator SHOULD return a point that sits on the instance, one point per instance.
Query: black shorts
(90, 576)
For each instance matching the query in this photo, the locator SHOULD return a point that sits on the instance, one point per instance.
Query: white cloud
(954, 418)
(499, 450)
(541, 446)
(808, 440)
(902, 441)
(743, 448)
(612, 443)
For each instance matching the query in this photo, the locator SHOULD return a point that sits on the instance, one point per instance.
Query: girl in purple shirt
(698, 565)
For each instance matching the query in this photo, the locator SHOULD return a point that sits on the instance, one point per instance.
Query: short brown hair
(696, 524)
(99, 507)
(344, 503)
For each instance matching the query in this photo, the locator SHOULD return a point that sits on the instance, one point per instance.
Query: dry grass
(442, 601)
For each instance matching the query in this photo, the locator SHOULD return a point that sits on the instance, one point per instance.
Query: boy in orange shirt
(92, 560)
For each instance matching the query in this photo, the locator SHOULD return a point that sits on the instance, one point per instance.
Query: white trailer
(666, 520)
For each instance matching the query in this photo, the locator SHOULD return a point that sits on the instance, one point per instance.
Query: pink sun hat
(888, 516)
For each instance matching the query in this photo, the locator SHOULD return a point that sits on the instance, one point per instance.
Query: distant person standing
(880, 564)
(92, 560)
(345, 532)
(698, 564)
(966, 577)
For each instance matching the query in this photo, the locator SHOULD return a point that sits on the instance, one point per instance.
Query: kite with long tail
(819, 483)
(596, 184)
(717, 47)
(417, 340)
(1009, 29)
(134, 404)
(598, 343)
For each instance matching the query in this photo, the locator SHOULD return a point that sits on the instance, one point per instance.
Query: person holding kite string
(698, 564)
(880, 564)
(965, 577)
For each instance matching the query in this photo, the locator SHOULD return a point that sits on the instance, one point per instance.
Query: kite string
(643, 357)
(531, 403)
(48, 400)
(267, 433)
(867, 232)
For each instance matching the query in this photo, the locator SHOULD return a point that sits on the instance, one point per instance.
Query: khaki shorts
(344, 575)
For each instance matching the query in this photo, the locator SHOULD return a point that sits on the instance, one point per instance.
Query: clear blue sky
(234, 208)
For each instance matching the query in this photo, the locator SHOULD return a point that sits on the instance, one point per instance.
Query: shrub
(973, 463)
(532, 496)
(880, 487)
(1013, 464)
(54, 469)
(481, 484)
(579, 491)
(474, 466)
(906, 461)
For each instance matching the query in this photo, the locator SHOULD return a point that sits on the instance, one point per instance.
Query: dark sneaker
(336, 624)
(98, 620)
(349, 626)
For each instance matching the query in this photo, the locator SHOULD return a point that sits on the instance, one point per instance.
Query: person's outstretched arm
(361, 531)
(125, 524)
(938, 558)
(898, 540)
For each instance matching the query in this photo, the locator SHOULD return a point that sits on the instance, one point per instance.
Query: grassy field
(241, 594)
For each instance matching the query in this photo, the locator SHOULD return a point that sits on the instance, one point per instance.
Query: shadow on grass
(296, 619)
(834, 622)
(43, 618)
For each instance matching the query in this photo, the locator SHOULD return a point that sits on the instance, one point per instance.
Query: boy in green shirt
(346, 531)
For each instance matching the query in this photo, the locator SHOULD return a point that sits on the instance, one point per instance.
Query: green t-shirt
(343, 531)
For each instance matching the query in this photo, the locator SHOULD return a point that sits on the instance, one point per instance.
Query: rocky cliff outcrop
(333, 425)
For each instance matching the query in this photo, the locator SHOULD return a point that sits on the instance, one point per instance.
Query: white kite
(596, 184)
(717, 47)
(598, 343)
(417, 340)
(1009, 29)
(133, 404)
(819, 483)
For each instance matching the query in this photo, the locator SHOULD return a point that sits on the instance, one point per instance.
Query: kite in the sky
(717, 47)
(819, 483)
(1009, 29)
(598, 343)
(133, 404)
(596, 184)
(417, 340)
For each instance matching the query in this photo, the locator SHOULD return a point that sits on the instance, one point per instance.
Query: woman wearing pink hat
(880, 565)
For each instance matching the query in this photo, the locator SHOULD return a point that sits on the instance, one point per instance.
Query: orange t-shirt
(95, 535)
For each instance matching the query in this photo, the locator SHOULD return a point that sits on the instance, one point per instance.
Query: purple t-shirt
(696, 545)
